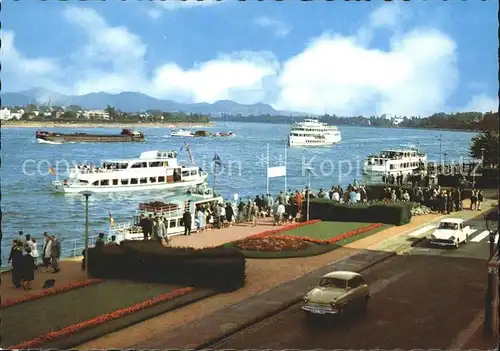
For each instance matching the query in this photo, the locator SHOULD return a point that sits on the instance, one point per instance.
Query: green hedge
(398, 213)
(220, 268)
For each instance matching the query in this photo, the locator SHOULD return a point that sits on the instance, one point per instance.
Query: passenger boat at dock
(126, 135)
(395, 161)
(152, 170)
(172, 211)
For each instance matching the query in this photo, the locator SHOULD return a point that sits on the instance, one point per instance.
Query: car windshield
(333, 283)
(447, 225)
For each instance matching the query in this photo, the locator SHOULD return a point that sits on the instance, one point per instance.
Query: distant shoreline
(101, 125)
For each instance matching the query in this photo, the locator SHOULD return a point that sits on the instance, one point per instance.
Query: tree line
(75, 113)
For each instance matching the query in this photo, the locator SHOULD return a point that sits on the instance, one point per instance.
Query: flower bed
(72, 329)
(272, 244)
(283, 229)
(51, 291)
(269, 242)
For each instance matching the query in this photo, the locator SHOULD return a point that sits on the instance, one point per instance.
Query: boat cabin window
(173, 223)
(105, 182)
(96, 183)
(83, 182)
(391, 167)
(194, 172)
(185, 173)
(133, 181)
(161, 179)
(124, 181)
(143, 180)
(115, 181)
(156, 164)
(140, 165)
(152, 179)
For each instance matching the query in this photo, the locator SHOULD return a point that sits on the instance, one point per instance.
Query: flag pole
(285, 167)
(267, 170)
(213, 170)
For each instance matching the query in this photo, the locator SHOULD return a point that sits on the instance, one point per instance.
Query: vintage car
(451, 232)
(337, 292)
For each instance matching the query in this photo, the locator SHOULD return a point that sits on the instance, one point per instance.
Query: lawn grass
(325, 230)
(328, 228)
(34, 318)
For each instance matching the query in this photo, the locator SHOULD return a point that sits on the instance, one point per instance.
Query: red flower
(72, 329)
(51, 291)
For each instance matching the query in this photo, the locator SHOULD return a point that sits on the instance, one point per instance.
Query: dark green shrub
(398, 213)
(219, 268)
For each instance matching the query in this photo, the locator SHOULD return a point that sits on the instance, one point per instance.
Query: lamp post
(87, 194)
(444, 163)
(308, 193)
(440, 138)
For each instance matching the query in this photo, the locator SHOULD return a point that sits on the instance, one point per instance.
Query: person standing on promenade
(34, 252)
(28, 269)
(46, 252)
(186, 217)
(473, 200)
(298, 201)
(479, 199)
(143, 224)
(229, 214)
(16, 257)
(99, 243)
(55, 254)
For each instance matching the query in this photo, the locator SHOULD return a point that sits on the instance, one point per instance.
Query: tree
(489, 141)
(111, 111)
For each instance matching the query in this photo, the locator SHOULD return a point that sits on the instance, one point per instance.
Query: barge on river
(126, 135)
(172, 211)
(152, 170)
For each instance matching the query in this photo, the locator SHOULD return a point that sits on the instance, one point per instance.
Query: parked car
(337, 292)
(451, 232)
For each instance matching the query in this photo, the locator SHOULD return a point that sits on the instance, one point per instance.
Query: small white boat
(182, 133)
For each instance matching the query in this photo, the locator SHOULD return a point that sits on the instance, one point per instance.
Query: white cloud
(113, 57)
(172, 5)
(280, 29)
(482, 103)
(17, 69)
(334, 73)
(416, 76)
(386, 15)
(218, 79)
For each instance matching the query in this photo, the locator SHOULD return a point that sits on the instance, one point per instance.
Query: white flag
(273, 172)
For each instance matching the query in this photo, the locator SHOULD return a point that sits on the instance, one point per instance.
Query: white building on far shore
(7, 114)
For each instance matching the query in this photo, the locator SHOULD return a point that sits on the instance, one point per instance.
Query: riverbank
(17, 124)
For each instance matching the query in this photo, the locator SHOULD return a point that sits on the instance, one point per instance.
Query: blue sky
(347, 58)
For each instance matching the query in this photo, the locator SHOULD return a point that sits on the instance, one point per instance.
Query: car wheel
(466, 238)
(364, 305)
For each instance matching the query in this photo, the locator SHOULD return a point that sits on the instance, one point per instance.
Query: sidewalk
(71, 267)
(261, 278)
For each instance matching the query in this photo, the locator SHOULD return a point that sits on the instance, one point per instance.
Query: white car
(451, 232)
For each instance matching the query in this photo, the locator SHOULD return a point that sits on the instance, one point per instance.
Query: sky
(345, 58)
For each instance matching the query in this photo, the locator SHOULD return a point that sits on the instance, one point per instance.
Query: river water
(29, 204)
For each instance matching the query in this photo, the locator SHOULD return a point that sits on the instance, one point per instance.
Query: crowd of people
(24, 258)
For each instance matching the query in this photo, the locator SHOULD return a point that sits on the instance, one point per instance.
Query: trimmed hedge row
(398, 213)
(219, 268)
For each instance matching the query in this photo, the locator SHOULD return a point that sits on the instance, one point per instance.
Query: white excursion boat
(182, 133)
(404, 161)
(152, 170)
(311, 132)
(172, 211)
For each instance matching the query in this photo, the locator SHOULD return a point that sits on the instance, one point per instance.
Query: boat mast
(189, 153)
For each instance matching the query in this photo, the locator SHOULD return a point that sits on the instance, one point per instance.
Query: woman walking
(479, 199)
(201, 220)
